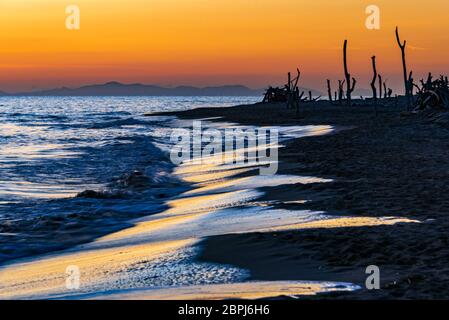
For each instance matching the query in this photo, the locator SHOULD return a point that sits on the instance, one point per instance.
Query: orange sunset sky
(214, 42)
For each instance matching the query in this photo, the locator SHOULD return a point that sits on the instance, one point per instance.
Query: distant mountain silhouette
(137, 89)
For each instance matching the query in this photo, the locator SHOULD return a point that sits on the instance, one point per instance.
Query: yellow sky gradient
(212, 42)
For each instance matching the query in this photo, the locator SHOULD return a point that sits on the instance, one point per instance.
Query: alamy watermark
(230, 146)
(373, 280)
(73, 276)
(372, 21)
(73, 18)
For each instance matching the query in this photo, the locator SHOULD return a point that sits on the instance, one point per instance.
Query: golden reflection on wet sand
(181, 211)
(343, 222)
(46, 276)
(188, 218)
(245, 290)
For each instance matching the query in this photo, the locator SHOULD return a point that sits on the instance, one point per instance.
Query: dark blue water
(73, 169)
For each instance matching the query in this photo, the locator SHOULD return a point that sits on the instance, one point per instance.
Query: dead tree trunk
(380, 87)
(290, 88)
(329, 90)
(297, 78)
(402, 46)
(350, 85)
(373, 82)
(410, 85)
(341, 91)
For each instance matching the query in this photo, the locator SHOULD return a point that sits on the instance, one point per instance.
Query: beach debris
(275, 94)
(380, 86)
(341, 91)
(388, 92)
(284, 94)
(350, 83)
(407, 81)
(411, 85)
(432, 94)
(373, 83)
(375, 77)
(329, 92)
(290, 93)
(338, 95)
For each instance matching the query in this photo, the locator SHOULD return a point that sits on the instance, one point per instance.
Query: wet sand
(155, 257)
(367, 191)
(159, 256)
(392, 164)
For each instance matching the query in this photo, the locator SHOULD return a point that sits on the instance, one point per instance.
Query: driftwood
(284, 94)
(432, 94)
(341, 84)
(289, 93)
(402, 46)
(275, 95)
(293, 96)
(380, 86)
(411, 86)
(373, 82)
(329, 90)
(350, 85)
(387, 92)
(390, 92)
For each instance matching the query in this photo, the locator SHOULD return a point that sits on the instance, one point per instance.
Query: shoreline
(138, 258)
(392, 164)
(316, 225)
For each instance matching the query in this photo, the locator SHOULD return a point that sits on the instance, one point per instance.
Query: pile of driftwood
(289, 93)
(346, 87)
(275, 94)
(432, 94)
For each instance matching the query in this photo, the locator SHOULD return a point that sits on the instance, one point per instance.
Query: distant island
(137, 89)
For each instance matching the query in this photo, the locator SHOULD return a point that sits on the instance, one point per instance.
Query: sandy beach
(392, 164)
(353, 189)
